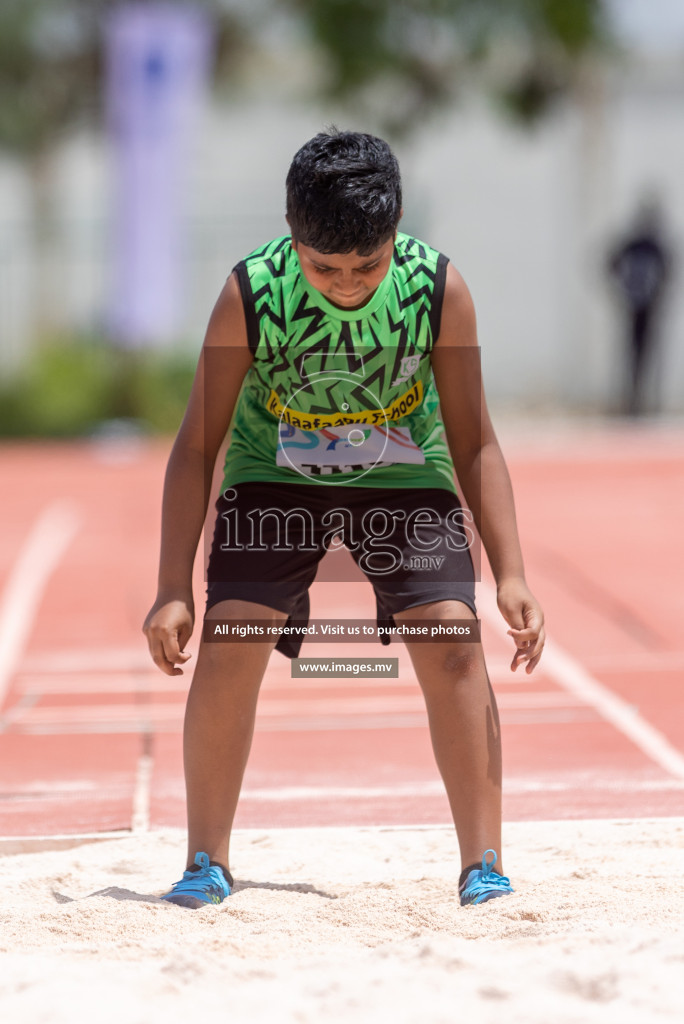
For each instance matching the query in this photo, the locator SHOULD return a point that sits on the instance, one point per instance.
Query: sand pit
(351, 925)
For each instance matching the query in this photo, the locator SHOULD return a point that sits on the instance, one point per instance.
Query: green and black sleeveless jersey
(340, 396)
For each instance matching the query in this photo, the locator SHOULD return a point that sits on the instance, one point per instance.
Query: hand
(168, 627)
(523, 614)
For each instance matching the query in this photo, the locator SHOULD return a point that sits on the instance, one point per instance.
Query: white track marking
(581, 781)
(42, 681)
(638, 661)
(570, 674)
(137, 660)
(435, 788)
(273, 708)
(283, 794)
(40, 554)
(140, 821)
(91, 659)
(171, 720)
(417, 789)
(105, 682)
(397, 704)
(625, 717)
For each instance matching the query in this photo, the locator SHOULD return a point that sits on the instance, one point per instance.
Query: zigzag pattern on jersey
(424, 293)
(293, 330)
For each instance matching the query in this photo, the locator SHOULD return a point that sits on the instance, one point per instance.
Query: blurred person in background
(640, 266)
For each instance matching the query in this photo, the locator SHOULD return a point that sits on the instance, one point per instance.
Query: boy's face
(347, 280)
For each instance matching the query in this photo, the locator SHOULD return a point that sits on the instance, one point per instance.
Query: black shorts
(413, 545)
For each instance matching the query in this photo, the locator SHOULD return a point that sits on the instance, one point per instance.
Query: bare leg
(465, 732)
(219, 724)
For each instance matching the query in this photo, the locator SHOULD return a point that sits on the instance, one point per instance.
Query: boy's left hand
(522, 612)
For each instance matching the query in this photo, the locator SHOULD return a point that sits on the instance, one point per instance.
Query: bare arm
(223, 363)
(480, 466)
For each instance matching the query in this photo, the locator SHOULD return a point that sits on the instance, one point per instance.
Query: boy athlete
(329, 350)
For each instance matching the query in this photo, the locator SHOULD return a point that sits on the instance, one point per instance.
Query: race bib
(354, 446)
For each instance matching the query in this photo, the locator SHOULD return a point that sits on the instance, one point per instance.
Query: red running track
(90, 730)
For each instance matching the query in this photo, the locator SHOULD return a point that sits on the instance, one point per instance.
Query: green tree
(397, 60)
(51, 59)
(402, 59)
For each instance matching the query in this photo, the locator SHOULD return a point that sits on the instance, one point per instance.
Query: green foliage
(397, 59)
(159, 389)
(49, 69)
(424, 50)
(71, 387)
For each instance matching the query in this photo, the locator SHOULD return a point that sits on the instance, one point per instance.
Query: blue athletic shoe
(482, 885)
(202, 883)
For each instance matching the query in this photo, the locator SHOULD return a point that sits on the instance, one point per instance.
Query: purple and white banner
(158, 65)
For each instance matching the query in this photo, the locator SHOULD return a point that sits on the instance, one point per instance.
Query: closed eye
(361, 270)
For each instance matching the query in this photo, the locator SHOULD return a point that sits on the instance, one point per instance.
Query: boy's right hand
(168, 627)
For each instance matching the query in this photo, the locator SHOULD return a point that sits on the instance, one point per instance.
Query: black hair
(344, 193)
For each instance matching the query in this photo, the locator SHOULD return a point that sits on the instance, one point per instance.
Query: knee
(459, 661)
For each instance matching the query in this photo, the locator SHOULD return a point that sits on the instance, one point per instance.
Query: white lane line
(91, 659)
(106, 682)
(435, 788)
(625, 717)
(295, 793)
(47, 541)
(44, 682)
(638, 661)
(136, 660)
(140, 820)
(147, 683)
(574, 678)
(337, 723)
(581, 781)
(274, 708)
(59, 791)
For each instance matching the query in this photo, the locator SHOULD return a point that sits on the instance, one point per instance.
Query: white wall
(527, 216)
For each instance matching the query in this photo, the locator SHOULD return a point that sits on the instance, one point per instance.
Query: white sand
(355, 925)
